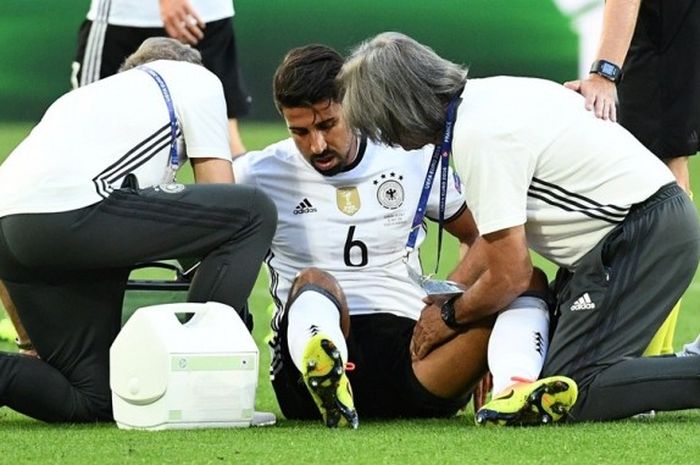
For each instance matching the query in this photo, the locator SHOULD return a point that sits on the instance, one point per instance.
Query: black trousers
(67, 272)
(609, 309)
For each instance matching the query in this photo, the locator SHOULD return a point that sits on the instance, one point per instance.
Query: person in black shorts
(114, 29)
(659, 96)
(660, 90)
(650, 54)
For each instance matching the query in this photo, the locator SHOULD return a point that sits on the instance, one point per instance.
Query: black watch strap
(27, 345)
(447, 312)
(607, 69)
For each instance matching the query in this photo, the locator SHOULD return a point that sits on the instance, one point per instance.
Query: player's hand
(481, 391)
(600, 95)
(181, 21)
(430, 332)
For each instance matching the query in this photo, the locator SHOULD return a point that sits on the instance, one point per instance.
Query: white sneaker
(691, 349)
(263, 419)
(650, 415)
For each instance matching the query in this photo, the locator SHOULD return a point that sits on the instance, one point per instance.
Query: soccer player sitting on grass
(540, 170)
(338, 277)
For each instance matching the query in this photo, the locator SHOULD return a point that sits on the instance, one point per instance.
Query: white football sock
(519, 342)
(313, 313)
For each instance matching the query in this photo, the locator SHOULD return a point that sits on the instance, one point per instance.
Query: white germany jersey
(530, 153)
(92, 137)
(353, 225)
(146, 13)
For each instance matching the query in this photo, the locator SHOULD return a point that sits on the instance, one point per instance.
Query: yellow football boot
(328, 384)
(544, 401)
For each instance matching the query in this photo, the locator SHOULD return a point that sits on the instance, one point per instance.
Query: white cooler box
(201, 374)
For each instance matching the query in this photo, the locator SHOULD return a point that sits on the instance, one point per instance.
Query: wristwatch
(608, 70)
(447, 312)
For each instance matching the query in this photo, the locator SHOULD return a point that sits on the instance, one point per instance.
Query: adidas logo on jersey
(304, 207)
(583, 303)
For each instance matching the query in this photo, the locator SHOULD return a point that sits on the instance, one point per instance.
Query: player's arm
(496, 270)
(202, 115)
(619, 21)
(212, 170)
(463, 227)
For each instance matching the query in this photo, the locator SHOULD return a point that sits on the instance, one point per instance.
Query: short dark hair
(306, 76)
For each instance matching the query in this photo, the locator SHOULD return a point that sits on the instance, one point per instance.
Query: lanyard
(441, 154)
(174, 159)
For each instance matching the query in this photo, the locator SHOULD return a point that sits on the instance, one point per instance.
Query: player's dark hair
(306, 77)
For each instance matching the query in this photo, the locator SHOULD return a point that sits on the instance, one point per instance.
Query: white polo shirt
(529, 153)
(92, 137)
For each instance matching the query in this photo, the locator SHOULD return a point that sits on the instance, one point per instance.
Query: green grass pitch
(669, 438)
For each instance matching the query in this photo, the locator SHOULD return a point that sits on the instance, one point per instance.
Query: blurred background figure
(114, 29)
(648, 53)
(586, 21)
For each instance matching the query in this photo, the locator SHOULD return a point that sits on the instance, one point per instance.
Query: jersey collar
(358, 158)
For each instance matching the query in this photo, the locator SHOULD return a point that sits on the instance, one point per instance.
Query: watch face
(609, 69)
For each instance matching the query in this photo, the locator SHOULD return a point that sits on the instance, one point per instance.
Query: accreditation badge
(439, 290)
(348, 200)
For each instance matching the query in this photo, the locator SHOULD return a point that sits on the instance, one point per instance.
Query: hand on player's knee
(430, 332)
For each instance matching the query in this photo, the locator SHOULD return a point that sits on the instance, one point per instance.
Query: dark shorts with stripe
(609, 309)
(660, 89)
(383, 382)
(66, 273)
(218, 49)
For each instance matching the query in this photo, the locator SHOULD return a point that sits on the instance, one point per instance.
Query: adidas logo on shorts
(583, 303)
(304, 207)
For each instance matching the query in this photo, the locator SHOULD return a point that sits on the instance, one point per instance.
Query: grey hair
(161, 48)
(396, 90)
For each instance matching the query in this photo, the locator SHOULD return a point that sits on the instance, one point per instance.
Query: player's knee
(317, 277)
(101, 409)
(538, 281)
(89, 408)
(539, 287)
(314, 279)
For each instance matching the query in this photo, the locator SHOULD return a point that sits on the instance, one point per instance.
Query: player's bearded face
(322, 137)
